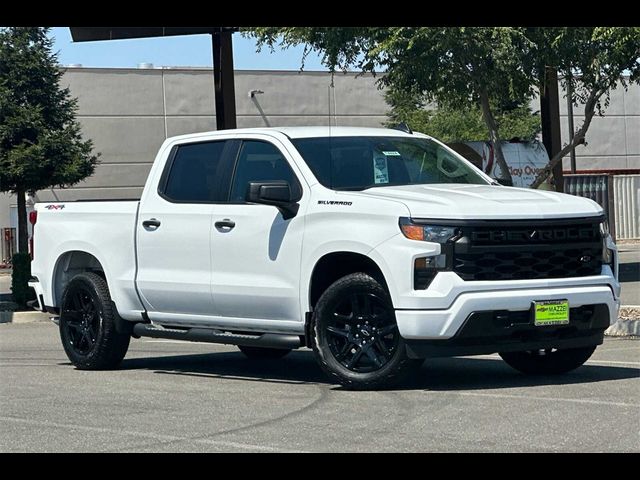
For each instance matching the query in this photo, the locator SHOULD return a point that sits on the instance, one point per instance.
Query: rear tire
(88, 325)
(548, 362)
(259, 353)
(355, 336)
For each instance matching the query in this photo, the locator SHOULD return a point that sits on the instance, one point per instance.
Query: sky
(184, 51)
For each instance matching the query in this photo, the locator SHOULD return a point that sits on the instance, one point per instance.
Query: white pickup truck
(376, 248)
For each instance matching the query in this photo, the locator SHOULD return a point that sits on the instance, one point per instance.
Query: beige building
(128, 113)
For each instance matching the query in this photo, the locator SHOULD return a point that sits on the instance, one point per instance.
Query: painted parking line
(596, 362)
(540, 399)
(611, 362)
(619, 349)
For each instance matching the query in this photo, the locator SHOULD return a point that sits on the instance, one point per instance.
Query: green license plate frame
(550, 313)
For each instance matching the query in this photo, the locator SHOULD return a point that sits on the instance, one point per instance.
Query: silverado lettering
(333, 202)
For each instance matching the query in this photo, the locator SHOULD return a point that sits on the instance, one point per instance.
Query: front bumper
(503, 331)
(443, 324)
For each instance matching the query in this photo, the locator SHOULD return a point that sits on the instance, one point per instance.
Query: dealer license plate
(551, 312)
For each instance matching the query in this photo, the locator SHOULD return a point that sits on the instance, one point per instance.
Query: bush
(20, 279)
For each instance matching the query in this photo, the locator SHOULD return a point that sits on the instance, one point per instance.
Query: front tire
(355, 336)
(548, 362)
(88, 325)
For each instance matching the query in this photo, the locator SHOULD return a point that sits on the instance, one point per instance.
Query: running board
(208, 335)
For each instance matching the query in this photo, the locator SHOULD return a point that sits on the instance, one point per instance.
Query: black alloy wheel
(355, 337)
(82, 321)
(362, 333)
(88, 320)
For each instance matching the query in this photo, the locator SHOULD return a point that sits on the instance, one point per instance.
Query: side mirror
(277, 194)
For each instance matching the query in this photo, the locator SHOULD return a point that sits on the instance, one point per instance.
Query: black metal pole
(550, 116)
(223, 79)
(571, 126)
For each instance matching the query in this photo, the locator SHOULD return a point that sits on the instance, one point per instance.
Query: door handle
(226, 223)
(153, 223)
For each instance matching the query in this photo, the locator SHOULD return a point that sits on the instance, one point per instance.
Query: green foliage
(341, 47)
(457, 67)
(41, 144)
(20, 278)
(449, 65)
(593, 60)
(461, 124)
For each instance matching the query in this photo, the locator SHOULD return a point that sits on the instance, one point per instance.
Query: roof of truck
(310, 132)
(313, 132)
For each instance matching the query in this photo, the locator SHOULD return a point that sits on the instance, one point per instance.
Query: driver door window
(260, 162)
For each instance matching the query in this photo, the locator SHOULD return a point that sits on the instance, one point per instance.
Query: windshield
(358, 163)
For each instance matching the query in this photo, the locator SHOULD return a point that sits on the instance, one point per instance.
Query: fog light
(425, 270)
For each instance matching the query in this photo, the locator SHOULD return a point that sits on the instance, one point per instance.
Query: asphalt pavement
(174, 397)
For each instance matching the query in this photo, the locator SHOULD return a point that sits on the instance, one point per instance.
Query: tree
(461, 124)
(41, 144)
(452, 66)
(593, 61)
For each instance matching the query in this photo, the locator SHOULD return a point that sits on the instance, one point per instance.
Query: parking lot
(172, 396)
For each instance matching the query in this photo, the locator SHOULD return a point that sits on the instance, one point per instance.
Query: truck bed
(104, 229)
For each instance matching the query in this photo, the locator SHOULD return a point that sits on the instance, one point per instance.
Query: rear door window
(195, 173)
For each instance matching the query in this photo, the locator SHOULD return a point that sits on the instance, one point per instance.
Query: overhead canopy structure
(91, 34)
(222, 45)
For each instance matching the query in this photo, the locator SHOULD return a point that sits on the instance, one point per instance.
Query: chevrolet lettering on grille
(537, 235)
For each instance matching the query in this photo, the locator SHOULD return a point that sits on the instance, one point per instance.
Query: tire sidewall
(84, 283)
(355, 283)
(111, 345)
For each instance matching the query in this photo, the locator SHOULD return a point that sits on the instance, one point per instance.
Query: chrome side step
(208, 335)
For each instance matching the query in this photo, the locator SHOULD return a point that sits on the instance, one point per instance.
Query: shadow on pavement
(297, 367)
(452, 374)
(441, 374)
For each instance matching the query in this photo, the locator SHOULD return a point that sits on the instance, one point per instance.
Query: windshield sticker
(380, 170)
(391, 154)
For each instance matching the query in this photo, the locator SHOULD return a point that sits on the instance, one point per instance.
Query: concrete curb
(624, 328)
(628, 323)
(23, 317)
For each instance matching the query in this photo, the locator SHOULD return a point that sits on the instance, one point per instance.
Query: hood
(478, 202)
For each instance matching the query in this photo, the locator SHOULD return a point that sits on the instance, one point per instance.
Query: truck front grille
(513, 251)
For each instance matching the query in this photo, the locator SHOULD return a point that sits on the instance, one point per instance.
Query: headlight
(607, 255)
(427, 233)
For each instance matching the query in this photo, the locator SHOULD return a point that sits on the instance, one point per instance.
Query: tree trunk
(578, 138)
(494, 136)
(23, 233)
